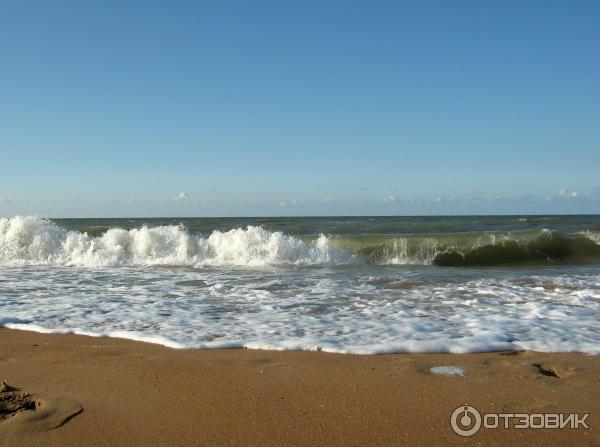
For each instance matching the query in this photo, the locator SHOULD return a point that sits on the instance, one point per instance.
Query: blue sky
(149, 108)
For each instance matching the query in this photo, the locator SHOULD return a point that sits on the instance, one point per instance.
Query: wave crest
(34, 240)
(39, 241)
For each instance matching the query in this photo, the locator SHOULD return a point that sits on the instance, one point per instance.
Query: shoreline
(158, 340)
(137, 393)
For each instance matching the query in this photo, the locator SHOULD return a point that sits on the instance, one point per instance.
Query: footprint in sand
(22, 413)
(557, 371)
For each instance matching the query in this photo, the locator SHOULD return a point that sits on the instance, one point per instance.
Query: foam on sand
(448, 370)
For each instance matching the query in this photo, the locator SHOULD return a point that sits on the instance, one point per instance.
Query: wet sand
(101, 391)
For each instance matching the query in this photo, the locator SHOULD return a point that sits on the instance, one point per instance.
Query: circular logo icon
(465, 421)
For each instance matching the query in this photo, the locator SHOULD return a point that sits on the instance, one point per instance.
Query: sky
(238, 108)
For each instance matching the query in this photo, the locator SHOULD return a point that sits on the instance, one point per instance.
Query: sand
(102, 391)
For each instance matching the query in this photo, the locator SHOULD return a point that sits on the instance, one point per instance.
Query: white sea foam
(448, 370)
(593, 236)
(344, 310)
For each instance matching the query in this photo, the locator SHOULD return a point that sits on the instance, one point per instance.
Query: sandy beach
(102, 391)
(299, 224)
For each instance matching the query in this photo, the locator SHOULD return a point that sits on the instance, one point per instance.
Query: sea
(363, 285)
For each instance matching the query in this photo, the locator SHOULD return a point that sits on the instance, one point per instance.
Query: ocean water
(343, 284)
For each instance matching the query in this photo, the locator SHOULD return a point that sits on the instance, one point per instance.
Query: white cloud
(328, 200)
(290, 202)
(389, 199)
(182, 196)
(566, 192)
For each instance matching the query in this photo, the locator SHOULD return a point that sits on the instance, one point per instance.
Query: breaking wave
(32, 240)
(39, 241)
